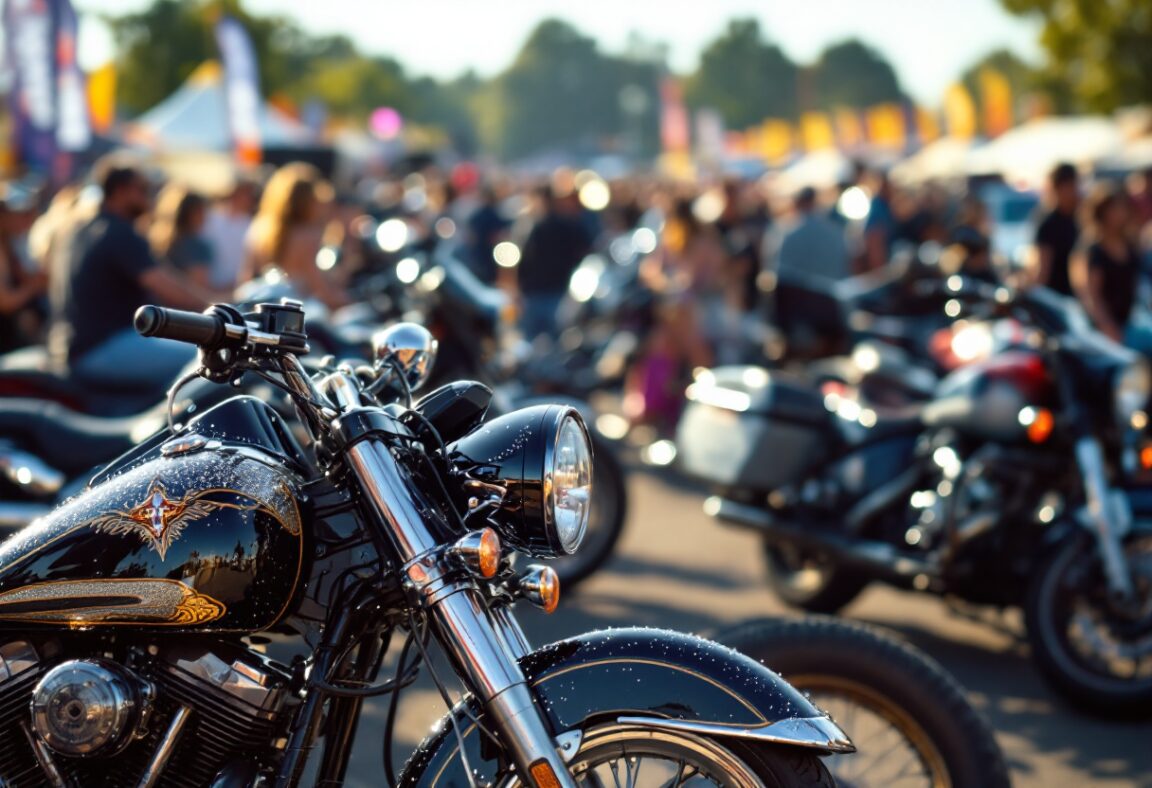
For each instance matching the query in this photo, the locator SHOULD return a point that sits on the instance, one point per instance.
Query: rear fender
(647, 678)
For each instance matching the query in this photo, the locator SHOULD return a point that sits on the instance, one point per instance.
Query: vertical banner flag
(996, 98)
(959, 112)
(816, 131)
(928, 127)
(776, 140)
(849, 128)
(73, 128)
(102, 97)
(886, 126)
(241, 88)
(30, 45)
(710, 134)
(674, 131)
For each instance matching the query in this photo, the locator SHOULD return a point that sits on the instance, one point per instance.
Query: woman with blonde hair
(288, 231)
(175, 234)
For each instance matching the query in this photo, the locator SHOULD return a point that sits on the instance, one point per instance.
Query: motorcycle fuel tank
(198, 537)
(984, 400)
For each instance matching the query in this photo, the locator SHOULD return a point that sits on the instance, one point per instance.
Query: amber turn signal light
(1038, 423)
(479, 551)
(543, 775)
(540, 585)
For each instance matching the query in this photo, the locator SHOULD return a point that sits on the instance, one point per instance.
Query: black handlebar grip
(192, 327)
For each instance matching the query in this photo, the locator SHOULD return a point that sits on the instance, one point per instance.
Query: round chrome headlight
(531, 472)
(570, 483)
(1131, 390)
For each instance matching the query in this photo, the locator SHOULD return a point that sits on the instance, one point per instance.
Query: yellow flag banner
(927, 126)
(735, 143)
(775, 140)
(102, 97)
(996, 97)
(959, 112)
(849, 130)
(816, 131)
(886, 127)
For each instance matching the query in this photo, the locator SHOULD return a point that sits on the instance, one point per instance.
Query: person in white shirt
(225, 230)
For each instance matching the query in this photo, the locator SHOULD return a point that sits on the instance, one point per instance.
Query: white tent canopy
(945, 158)
(1026, 153)
(195, 118)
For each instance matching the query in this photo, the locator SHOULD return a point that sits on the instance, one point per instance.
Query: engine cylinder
(85, 708)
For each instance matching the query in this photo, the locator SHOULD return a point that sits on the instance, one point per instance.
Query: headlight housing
(532, 469)
(1131, 389)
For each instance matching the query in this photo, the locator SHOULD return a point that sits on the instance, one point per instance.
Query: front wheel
(630, 757)
(1096, 652)
(809, 580)
(910, 721)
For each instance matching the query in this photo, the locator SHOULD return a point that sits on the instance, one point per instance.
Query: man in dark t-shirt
(556, 244)
(104, 274)
(1058, 231)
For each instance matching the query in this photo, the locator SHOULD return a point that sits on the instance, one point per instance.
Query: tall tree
(559, 92)
(744, 77)
(1102, 51)
(852, 74)
(150, 66)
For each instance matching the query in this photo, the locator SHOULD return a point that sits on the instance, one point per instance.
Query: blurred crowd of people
(73, 272)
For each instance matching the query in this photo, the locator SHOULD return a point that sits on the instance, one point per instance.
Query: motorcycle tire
(725, 762)
(1065, 580)
(868, 671)
(825, 588)
(609, 512)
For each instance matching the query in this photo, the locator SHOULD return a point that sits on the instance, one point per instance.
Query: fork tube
(461, 621)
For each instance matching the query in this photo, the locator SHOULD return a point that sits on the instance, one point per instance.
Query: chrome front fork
(1107, 515)
(484, 646)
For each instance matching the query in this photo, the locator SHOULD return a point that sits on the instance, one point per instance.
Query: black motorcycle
(910, 719)
(1021, 482)
(475, 325)
(129, 652)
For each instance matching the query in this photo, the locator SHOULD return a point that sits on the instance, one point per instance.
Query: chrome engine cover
(90, 707)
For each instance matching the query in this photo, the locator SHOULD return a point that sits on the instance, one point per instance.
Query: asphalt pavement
(678, 569)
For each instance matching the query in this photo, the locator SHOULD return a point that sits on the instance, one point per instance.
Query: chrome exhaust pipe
(879, 558)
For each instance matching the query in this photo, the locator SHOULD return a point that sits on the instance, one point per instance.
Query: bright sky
(929, 41)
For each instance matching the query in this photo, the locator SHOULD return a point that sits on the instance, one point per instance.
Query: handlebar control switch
(287, 320)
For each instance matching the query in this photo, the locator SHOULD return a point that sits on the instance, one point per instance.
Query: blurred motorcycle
(1022, 481)
(910, 720)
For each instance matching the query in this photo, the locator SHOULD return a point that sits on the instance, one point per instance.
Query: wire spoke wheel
(632, 759)
(616, 756)
(1096, 650)
(892, 748)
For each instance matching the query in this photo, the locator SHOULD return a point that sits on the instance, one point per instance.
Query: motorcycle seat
(68, 441)
(890, 422)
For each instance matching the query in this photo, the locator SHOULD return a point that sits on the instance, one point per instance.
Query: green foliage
(150, 66)
(1100, 50)
(853, 74)
(560, 92)
(744, 77)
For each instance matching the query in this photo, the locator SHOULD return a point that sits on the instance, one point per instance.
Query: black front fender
(645, 677)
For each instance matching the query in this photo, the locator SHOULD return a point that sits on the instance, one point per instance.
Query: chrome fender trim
(814, 732)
